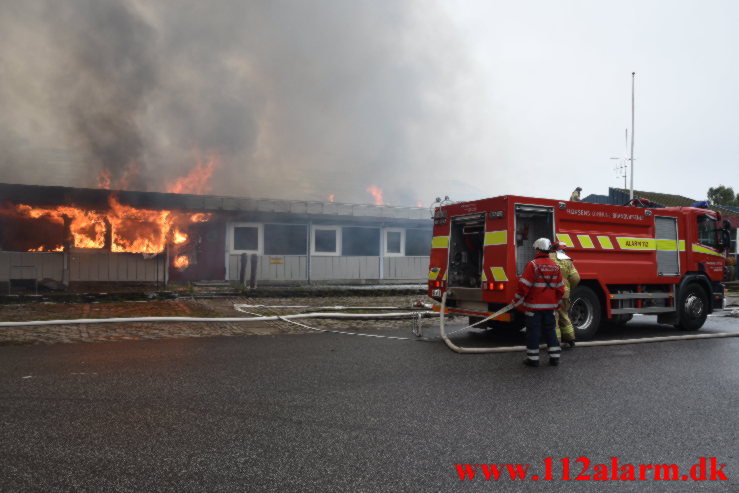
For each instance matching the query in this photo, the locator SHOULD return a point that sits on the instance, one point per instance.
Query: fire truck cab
(666, 262)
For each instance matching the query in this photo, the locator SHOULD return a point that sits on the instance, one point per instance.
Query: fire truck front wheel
(584, 312)
(693, 307)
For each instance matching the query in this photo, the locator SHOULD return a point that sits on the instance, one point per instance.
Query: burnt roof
(92, 198)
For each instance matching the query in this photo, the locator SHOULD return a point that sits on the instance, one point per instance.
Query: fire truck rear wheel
(584, 312)
(693, 307)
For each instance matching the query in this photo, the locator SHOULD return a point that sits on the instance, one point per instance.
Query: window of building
(360, 242)
(707, 231)
(246, 237)
(394, 239)
(285, 239)
(417, 242)
(326, 240)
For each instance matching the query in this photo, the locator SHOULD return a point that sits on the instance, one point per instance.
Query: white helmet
(543, 244)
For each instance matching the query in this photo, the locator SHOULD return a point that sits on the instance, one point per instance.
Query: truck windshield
(707, 231)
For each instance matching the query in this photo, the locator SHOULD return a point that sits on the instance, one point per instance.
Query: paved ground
(336, 413)
(211, 307)
(190, 307)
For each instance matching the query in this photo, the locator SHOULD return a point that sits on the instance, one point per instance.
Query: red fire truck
(631, 259)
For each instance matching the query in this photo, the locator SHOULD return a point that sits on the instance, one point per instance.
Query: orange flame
(200, 217)
(179, 237)
(331, 198)
(419, 204)
(196, 180)
(181, 262)
(129, 229)
(376, 193)
(105, 180)
(57, 248)
(87, 227)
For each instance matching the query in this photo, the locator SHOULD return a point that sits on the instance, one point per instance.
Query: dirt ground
(189, 307)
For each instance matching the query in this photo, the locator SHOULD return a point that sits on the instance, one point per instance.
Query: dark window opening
(393, 242)
(246, 238)
(325, 241)
(360, 242)
(417, 242)
(285, 239)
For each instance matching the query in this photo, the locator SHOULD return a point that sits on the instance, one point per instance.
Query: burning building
(101, 235)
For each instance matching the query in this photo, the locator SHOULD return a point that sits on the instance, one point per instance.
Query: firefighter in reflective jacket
(540, 290)
(571, 278)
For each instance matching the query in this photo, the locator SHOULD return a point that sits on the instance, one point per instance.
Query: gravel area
(188, 307)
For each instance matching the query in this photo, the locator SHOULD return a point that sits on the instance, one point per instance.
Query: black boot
(554, 361)
(530, 362)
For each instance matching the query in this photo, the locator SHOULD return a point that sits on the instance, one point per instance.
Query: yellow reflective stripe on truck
(701, 249)
(585, 241)
(669, 245)
(499, 274)
(496, 238)
(434, 273)
(440, 242)
(605, 242)
(633, 243)
(627, 243)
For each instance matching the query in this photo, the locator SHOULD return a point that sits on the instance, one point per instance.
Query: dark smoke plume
(299, 99)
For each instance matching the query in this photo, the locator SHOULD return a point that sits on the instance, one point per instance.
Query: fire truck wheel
(693, 308)
(584, 312)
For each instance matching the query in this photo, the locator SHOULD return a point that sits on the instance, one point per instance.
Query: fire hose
(354, 316)
(414, 316)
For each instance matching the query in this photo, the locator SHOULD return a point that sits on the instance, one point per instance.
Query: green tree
(722, 195)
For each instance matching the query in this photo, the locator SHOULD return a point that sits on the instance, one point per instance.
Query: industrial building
(96, 235)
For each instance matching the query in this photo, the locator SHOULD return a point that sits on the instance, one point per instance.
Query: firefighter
(571, 278)
(540, 290)
(575, 197)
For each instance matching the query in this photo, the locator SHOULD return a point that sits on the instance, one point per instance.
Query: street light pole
(631, 192)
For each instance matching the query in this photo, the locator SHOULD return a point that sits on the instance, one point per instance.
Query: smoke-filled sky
(422, 98)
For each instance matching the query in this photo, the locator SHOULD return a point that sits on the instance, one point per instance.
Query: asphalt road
(328, 412)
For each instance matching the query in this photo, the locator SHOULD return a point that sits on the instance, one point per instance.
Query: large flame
(132, 229)
(376, 193)
(87, 227)
(128, 229)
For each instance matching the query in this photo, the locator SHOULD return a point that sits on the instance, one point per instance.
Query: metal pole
(631, 192)
(308, 266)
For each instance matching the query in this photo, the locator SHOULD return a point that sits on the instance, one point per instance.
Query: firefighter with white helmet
(571, 278)
(540, 290)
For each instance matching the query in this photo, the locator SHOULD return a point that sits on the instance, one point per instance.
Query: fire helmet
(543, 244)
(558, 246)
